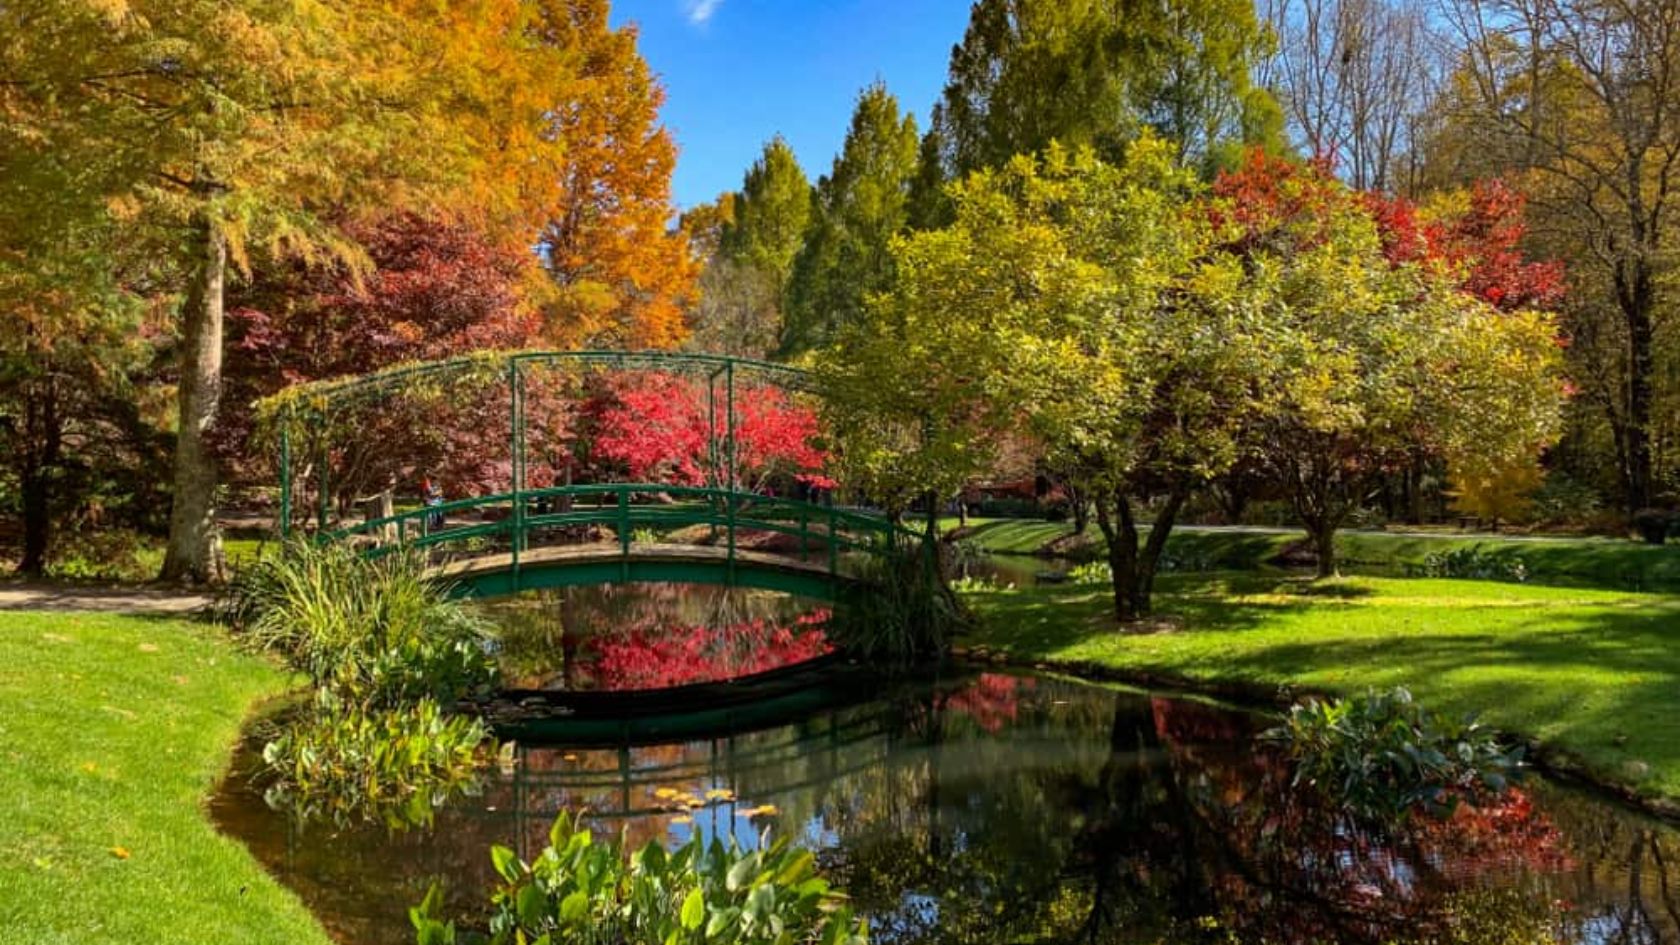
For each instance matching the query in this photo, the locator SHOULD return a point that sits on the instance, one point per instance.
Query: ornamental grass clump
(1381, 757)
(588, 893)
(389, 655)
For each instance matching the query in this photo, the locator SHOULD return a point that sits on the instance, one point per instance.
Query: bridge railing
(515, 524)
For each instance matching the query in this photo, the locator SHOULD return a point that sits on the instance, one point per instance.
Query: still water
(997, 808)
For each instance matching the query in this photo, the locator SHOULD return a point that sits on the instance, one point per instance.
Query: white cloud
(699, 11)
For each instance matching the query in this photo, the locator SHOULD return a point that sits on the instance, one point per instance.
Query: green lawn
(1582, 562)
(113, 730)
(1595, 673)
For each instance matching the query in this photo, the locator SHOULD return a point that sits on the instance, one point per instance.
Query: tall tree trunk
(194, 553)
(1636, 297)
(42, 451)
(37, 524)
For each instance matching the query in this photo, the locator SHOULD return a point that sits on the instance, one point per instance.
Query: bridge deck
(469, 568)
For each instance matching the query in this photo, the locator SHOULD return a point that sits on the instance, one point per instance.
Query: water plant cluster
(1471, 564)
(588, 893)
(388, 654)
(1382, 757)
(901, 610)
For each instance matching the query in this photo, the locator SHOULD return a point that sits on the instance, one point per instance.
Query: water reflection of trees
(651, 636)
(1006, 809)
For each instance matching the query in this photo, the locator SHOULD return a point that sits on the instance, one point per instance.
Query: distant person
(434, 500)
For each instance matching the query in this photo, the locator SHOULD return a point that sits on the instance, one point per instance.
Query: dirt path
(132, 600)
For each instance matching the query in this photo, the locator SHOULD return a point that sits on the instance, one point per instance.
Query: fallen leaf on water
(120, 853)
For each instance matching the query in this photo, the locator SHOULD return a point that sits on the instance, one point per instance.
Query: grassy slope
(112, 731)
(1596, 673)
(1591, 562)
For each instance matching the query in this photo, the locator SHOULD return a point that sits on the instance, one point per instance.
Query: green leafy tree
(770, 218)
(1096, 72)
(860, 205)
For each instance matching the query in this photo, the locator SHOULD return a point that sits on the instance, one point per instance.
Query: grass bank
(1573, 562)
(1595, 674)
(113, 729)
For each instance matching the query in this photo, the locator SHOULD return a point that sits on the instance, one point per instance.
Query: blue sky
(737, 72)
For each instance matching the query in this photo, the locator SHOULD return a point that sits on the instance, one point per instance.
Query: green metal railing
(514, 522)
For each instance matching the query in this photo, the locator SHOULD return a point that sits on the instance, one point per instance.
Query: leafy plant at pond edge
(1382, 757)
(387, 651)
(378, 631)
(588, 893)
(351, 762)
(1470, 563)
(900, 610)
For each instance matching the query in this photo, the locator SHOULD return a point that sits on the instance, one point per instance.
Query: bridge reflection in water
(995, 808)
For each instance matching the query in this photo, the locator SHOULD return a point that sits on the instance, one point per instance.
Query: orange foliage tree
(623, 277)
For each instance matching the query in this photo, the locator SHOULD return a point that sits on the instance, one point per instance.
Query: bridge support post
(285, 478)
(516, 465)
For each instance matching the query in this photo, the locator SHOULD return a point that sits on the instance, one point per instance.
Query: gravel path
(132, 600)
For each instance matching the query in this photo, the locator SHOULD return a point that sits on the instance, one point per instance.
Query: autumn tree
(1576, 96)
(237, 127)
(74, 341)
(735, 303)
(860, 205)
(624, 276)
(1374, 360)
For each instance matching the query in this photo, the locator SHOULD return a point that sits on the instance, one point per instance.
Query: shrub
(579, 891)
(1381, 756)
(1470, 563)
(1092, 572)
(1653, 525)
(374, 631)
(347, 762)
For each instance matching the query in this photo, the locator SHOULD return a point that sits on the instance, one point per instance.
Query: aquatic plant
(1470, 563)
(900, 610)
(588, 893)
(387, 651)
(1382, 757)
(351, 762)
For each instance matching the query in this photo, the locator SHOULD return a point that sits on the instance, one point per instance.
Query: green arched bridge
(521, 538)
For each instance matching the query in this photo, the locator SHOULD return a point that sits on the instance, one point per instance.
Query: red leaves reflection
(654, 654)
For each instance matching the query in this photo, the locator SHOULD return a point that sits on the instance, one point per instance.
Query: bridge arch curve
(518, 536)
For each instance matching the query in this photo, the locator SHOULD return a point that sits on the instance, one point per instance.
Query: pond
(995, 807)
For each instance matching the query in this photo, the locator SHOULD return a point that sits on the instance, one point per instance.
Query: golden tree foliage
(623, 277)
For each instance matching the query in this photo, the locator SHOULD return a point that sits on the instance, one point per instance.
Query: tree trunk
(37, 524)
(1636, 297)
(1323, 536)
(1134, 566)
(194, 553)
(42, 451)
(1121, 532)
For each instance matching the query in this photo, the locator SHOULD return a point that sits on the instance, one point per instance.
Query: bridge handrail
(741, 511)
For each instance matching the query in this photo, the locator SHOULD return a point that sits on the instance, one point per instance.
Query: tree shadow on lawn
(1039, 622)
